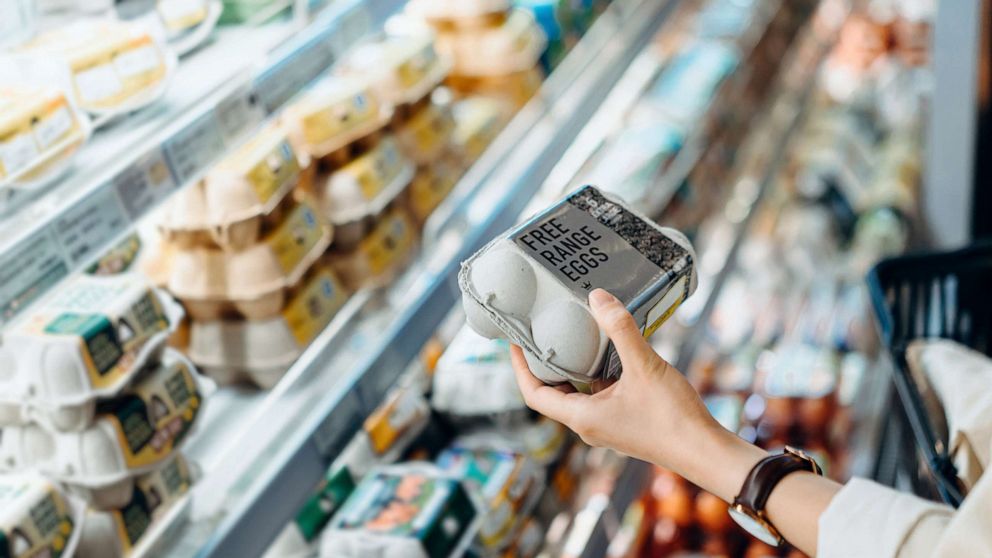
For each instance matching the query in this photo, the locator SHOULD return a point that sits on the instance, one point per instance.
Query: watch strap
(767, 473)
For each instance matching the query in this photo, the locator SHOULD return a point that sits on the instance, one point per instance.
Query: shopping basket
(948, 295)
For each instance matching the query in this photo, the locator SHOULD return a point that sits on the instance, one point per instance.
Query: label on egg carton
(35, 519)
(586, 241)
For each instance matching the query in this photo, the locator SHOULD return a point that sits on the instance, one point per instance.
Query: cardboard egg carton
(427, 133)
(513, 46)
(84, 342)
(530, 285)
(231, 207)
(132, 434)
(478, 120)
(512, 90)
(125, 530)
(335, 112)
(431, 185)
(261, 351)
(402, 69)
(353, 195)
(380, 255)
(252, 282)
(460, 14)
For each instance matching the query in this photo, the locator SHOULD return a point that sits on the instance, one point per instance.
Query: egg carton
(530, 285)
(514, 46)
(230, 208)
(255, 281)
(511, 91)
(402, 69)
(159, 500)
(439, 504)
(261, 351)
(84, 342)
(42, 128)
(355, 194)
(335, 112)
(427, 133)
(463, 14)
(474, 377)
(132, 434)
(111, 67)
(36, 518)
(188, 23)
(378, 257)
(431, 185)
(478, 120)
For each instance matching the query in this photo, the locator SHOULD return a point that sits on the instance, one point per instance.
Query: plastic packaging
(403, 69)
(121, 531)
(474, 377)
(514, 46)
(36, 519)
(362, 189)
(431, 185)
(87, 340)
(508, 483)
(380, 254)
(426, 134)
(40, 130)
(230, 207)
(254, 280)
(261, 351)
(132, 434)
(335, 112)
(410, 510)
(113, 67)
(531, 284)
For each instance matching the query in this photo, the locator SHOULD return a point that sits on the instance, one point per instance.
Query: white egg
(567, 330)
(478, 319)
(505, 280)
(541, 371)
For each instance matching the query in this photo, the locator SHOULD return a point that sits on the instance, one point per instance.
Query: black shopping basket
(945, 294)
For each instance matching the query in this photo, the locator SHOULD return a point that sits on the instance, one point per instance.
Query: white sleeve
(871, 520)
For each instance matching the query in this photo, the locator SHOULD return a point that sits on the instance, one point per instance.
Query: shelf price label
(194, 148)
(90, 225)
(239, 113)
(28, 270)
(144, 184)
(337, 428)
(349, 28)
(279, 83)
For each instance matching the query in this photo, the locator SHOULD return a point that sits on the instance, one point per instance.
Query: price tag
(90, 225)
(338, 428)
(194, 148)
(350, 27)
(144, 184)
(279, 83)
(28, 270)
(238, 114)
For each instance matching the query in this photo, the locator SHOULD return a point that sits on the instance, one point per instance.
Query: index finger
(544, 399)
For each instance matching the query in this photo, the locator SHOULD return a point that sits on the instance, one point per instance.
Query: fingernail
(599, 298)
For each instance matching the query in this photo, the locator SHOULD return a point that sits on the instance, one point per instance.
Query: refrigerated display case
(689, 109)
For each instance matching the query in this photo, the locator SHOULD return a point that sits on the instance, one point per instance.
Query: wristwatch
(748, 509)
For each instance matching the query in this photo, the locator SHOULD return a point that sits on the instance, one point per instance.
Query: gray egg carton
(531, 284)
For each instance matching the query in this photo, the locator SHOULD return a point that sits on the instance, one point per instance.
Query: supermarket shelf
(284, 450)
(132, 165)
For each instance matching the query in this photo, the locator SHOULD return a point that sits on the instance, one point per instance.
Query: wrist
(718, 461)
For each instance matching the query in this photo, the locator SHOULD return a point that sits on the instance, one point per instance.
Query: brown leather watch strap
(767, 473)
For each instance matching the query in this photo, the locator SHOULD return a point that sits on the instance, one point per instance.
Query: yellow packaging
(379, 254)
(309, 311)
(477, 122)
(427, 133)
(35, 126)
(334, 113)
(431, 185)
(180, 15)
(35, 519)
(397, 416)
(253, 179)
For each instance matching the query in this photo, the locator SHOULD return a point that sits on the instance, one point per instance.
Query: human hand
(651, 413)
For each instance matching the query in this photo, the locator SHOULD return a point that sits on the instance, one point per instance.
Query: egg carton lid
(187, 40)
(457, 9)
(20, 492)
(352, 206)
(380, 60)
(514, 46)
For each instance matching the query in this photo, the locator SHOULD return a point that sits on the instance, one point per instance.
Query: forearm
(719, 461)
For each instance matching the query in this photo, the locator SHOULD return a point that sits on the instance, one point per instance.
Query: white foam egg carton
(335, 112)
(514, 46)
(132, 434)
(261, 351)
(86, 341)
(255, 280)
(531, 284)
(474, 377)
(402, 69)
(128, 529)
(36, 519)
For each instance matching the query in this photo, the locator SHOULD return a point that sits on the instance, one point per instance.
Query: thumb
(613, 318)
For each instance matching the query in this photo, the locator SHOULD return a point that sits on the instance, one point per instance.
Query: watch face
(753, 527)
